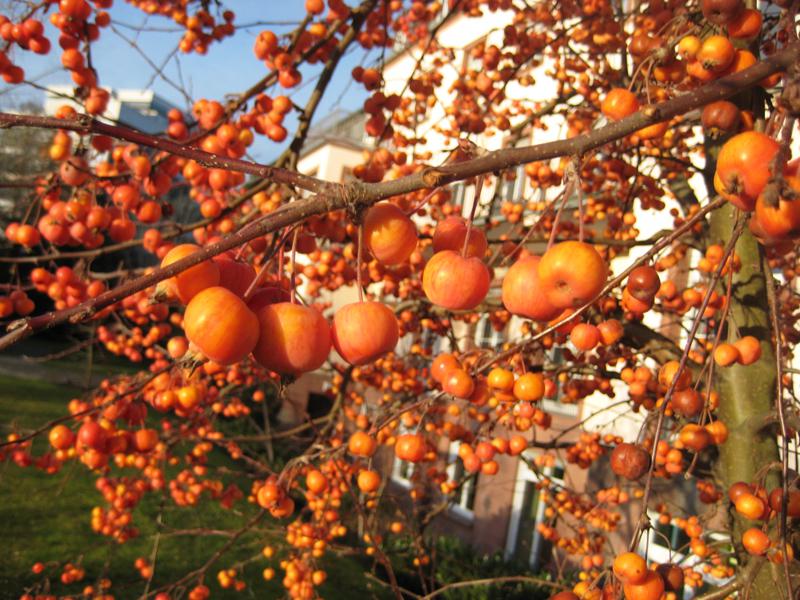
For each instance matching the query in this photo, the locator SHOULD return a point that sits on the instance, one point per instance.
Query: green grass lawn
(47, 518)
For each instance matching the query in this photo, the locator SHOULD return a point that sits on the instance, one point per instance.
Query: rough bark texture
(747, 394)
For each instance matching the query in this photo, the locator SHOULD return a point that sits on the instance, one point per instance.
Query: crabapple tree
(678, 114)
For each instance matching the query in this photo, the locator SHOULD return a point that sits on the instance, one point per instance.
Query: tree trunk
(747, 394)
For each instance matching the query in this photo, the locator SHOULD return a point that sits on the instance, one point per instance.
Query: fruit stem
(256, 281)
(638, 70)
(567, 192)
(293, 295)
(581, 228)
(423, 202)
(281, 240)
(359, 262)
(478, 187)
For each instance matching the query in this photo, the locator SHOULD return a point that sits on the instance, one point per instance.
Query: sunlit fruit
(650, 588)
(750, 506)
(572, 273)
(523, 294)
(529, 387)
(450, 234)
(61, 437)
(442, 365)
(454, 282)
(364, 331)
(629, 567)
(410, 447)
(743, 168)
(193, 280)
(293, 338)
(389, 233)
(368, 481)
(458, 383)
(221, 325)
(755, 541)
(619, 103)
(362, 444)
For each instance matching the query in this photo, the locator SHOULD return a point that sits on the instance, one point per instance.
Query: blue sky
(228, 67)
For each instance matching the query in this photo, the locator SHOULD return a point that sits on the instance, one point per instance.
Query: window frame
(495, 339)
(524, 476)
(463, 505)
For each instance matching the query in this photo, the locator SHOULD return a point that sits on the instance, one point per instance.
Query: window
(434, 342)
(402, 472)
(464, 498)
(486, 336)
(524, 542)
(513, 184)
(318, 405)
(458, 193)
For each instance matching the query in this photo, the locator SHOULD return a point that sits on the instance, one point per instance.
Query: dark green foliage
(452, 561)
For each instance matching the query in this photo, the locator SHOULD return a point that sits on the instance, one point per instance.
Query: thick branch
(358, 195)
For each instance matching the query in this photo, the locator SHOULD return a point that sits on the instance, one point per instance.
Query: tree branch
(357, 195)
(85, 125)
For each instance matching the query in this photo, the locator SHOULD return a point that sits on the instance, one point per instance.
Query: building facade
(505, 512)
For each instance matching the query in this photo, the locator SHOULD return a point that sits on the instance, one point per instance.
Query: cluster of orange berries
(561, 502)
(391, 375)
(72, 19)
(523, 416)
(17, 302)
(640, 582)
(72, 573)
(202, 28)
(123, 342)
(186, 489)
(268, 49)
(265, 118)
(586, 450)
(227, 579)
(301, 579)
(144, 567)
(669, 460)
(752, 502)
(165, 396)
(123, 495)
(18, 452)
(377, 106)
(612, 495)
(272, 496)
(744, 351)
(28, 35)
(481, 458)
